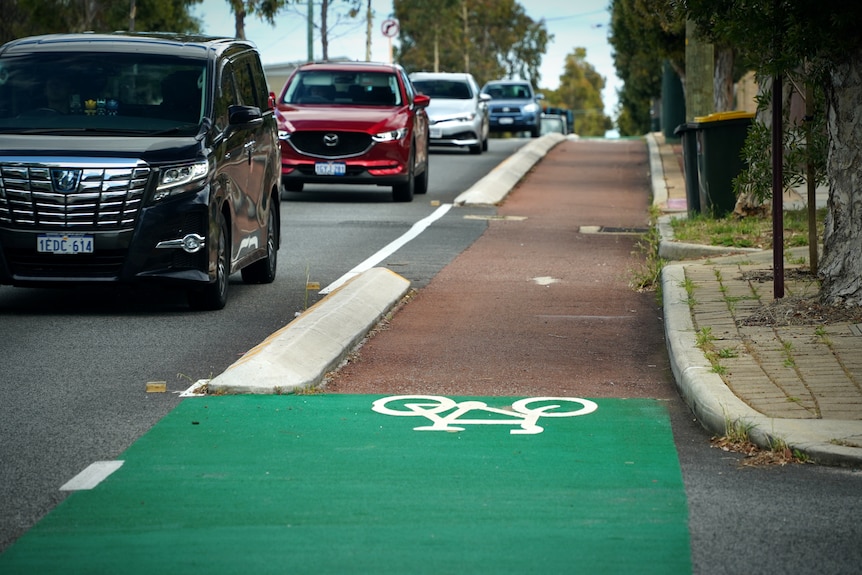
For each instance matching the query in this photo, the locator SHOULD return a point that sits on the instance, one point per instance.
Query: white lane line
(388, 250)
(93, 475)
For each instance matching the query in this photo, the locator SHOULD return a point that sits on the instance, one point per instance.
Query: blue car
(514, 107)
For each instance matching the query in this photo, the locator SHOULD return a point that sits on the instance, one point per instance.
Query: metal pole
(777, 189)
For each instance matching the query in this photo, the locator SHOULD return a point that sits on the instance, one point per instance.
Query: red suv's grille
(325, 144)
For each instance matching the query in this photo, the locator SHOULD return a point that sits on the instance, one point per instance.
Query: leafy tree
(580, 90)
(644, 33)
(820, 38)
(264, 9)
(487, 39)
(31, 17)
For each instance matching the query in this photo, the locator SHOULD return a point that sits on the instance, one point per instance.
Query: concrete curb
(659, 194)
(300, 354)
(491, 189)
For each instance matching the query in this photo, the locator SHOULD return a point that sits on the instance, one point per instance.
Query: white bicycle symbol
(433, 407)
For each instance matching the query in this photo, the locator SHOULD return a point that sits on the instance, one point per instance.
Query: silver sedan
(458, 113)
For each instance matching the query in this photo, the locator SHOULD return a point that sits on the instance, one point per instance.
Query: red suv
(353, 123)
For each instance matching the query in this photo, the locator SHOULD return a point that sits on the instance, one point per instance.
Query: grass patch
(747, 232)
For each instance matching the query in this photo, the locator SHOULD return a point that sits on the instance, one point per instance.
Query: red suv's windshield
(343, 88)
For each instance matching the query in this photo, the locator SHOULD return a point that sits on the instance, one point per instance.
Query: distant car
(458, 113)
(514, 107)
(353, 123)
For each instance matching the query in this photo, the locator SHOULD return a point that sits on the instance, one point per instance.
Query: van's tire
(213, 296)
(263, 271)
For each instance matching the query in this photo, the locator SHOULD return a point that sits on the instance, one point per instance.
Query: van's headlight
(390, 136)
(175, 180)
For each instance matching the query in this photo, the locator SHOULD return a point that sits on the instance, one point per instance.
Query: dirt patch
(754, 455)
(797, 310)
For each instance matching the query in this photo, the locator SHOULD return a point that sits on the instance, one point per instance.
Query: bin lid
(682, 128)
(722, 116)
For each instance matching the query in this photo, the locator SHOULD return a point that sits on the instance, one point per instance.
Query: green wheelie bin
(720, 138)
(688, 137)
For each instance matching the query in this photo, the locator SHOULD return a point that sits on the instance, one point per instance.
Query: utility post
(368, 23)
(310, 31)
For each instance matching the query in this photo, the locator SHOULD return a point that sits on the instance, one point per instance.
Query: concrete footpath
(799, 383)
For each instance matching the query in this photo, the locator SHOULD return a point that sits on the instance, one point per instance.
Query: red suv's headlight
(390, 136)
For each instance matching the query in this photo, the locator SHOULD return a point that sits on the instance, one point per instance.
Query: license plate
(506, 120)
(436, 133)
(64, 244)
(330, 168)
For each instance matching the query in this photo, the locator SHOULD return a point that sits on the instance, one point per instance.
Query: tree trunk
(723, 80)
(324, 29)
(841, 268)
(239, 18)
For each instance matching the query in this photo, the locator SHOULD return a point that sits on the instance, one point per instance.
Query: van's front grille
(96, 195)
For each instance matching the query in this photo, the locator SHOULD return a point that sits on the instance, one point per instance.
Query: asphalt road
(75, 366)
(76, 362)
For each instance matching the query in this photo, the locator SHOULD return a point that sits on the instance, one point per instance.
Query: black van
(137, 157)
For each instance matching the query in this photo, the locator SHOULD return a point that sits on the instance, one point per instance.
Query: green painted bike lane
(325, 484)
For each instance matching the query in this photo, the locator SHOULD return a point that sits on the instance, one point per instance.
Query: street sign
(389, 27)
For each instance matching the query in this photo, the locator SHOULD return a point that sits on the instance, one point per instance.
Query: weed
(787, 349)
(704, 338)
(647, 276)
(738, 431)
(727, 353)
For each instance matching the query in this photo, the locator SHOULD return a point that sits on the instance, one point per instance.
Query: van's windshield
(100, 92)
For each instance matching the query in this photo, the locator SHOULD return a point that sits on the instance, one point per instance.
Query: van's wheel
(263, 271)
(213, 296)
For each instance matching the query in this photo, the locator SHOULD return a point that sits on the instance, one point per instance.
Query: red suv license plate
(64, 244)
(330, 168)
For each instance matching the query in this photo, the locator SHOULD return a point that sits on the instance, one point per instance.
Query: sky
(573, 23)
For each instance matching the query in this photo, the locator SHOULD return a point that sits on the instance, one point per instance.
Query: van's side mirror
(243, 115)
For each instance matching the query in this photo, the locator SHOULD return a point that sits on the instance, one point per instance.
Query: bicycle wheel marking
(443, 412)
